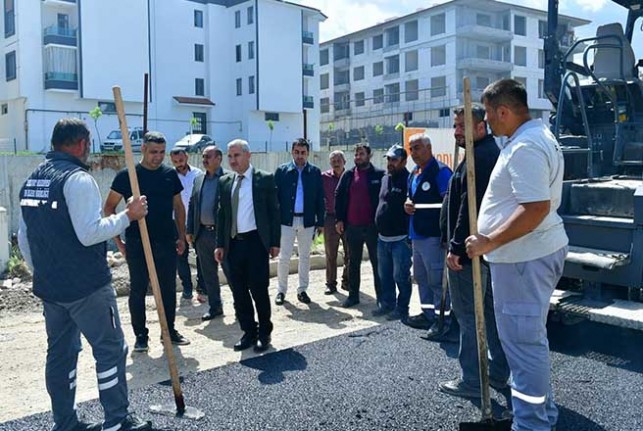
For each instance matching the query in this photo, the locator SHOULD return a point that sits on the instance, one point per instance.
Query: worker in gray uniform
(523, 239)
(62, 237)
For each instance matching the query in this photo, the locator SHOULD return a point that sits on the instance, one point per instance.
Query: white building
(231, 64)
(410, 69)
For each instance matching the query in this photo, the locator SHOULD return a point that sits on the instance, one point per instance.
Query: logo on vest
(426, 186)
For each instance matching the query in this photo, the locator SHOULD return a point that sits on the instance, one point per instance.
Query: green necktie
(235, 206)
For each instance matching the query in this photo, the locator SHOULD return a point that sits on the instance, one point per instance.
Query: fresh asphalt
(386, 378)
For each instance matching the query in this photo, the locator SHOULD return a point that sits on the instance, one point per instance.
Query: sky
(347, 16)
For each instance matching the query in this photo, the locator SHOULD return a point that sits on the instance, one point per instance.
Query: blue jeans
(394, 267)
(461, 291)
(428, 264)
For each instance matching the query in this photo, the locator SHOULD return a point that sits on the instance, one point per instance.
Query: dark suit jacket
(266, 207)
(193, 223)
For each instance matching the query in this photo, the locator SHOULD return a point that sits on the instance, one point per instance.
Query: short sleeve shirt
(159, 186)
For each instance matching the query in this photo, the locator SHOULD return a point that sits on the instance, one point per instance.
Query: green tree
(96, 113)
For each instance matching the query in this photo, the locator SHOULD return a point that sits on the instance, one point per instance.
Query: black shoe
(397, 315)
(134, 423)
(178, 339)
(345, 287)
(141, 343)
(280, 298)
(212, 314)
(86, 426)
(419, 322)
(245, 342)
(330, 290)
(381, 311)
(498, 385)
(262, 344)
(303, 297)
(439, 333)
(349, 302)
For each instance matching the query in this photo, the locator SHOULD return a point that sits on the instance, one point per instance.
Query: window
(541, 89)
(483, 52)
(251, 85)
(324, 105)
(239, 87)
(201, 122)
(198, 18)
(520, 56)
(360, 99)
(323, 57)
(342, 100)
(439, 86)
(323, 81)
(444, 112)
(341, 77)
(358, 73)
(411, 31)
(378, 41)
(520, 25)
(438, 24)
(378, 96)
(542, 28)
(393, 36)
(271, 116)
(237, 19)
(341, 50)
(358, 47)
(378, 68)
(238, 53)
(438, 55)
(251, 50)
(10, 62)
(411, 90)
(392, 64)
(251, 14)
(483, 19)
(199, 87)
(522, 80)
(541, 59)
(4, 110)
(392, 92)
(198, 52)
(481, 82)
(411, 61)
(63, 21)
(107, 107)
(9, 18)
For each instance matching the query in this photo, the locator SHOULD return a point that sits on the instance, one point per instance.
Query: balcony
(308, 102)
(484, 64)
(484, 33)
(65, 3)
(308, 37)
(308, 70)
(59, 36)
(61, 81)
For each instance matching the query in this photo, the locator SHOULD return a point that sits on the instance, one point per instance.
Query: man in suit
(201, 225)
(248, 234)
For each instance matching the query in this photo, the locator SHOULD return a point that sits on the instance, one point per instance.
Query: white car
(114, 141)
(194, 143)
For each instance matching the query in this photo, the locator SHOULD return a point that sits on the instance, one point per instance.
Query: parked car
(194, 143)
(114, 141)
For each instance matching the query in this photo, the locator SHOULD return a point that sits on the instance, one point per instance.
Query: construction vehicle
(597, 95)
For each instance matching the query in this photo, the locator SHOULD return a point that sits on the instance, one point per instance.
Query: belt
(209, 227)
(298, 214)
(246, 235)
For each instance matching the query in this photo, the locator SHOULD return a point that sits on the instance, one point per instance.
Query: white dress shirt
(246, 212)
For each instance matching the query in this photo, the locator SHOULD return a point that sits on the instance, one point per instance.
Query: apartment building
(410, 69)
(226, 68)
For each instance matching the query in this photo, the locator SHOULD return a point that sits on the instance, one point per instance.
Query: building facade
(410, 69)
(216, 67)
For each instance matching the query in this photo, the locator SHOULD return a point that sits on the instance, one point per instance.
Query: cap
(396, 152)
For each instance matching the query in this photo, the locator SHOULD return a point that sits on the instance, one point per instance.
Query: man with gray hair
(428, 183)
(248, 234)
(330, 179)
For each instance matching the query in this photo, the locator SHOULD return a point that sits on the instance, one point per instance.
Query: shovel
(179, 409)
(487, 422)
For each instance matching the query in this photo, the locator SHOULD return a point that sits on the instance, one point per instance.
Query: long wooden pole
(477, 278)
(149, 259)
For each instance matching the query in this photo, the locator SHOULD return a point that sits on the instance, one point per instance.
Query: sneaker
(86, 426)
(330, 290)
(141, 343)
(134, 423)
(280, 298)
(177, 339)
(202, 298)
(458, 388)
(419, 322)
(303, 297)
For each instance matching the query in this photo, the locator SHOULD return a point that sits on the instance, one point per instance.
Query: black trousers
(356, 236)
(249, 270)
(164, 253)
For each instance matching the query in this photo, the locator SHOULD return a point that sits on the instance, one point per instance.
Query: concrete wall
(4, 242)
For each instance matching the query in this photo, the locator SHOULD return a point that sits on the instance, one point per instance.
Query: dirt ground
(23, 340)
